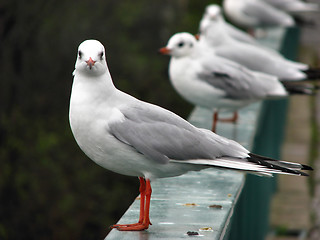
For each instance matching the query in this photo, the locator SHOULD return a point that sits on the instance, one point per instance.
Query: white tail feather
(238, 164)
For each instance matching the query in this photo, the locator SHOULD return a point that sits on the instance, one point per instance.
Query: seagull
(214, 82)
(213, 13)
(213, 23)
(216, 38)
(256, 13)
(294, 6)
(136, 138)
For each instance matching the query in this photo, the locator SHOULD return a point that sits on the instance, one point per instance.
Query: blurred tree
(48, 187)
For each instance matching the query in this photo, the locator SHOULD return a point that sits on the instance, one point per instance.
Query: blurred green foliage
(48, 188)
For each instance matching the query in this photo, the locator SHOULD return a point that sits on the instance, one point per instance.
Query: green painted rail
(221, 204)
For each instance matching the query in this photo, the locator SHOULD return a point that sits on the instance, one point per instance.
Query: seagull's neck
(216, 34)
(92, 90)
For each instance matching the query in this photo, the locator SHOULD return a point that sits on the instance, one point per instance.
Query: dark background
(48, 188)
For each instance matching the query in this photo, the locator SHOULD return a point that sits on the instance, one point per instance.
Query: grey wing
(162, 136)
(235, 80)
(250, 56)
(265, 13)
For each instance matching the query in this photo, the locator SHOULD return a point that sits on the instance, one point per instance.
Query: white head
(211, 16)
(212, 11)
(91, 58)
(180, 45)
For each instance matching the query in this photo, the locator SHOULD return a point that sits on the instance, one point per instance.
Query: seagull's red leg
(144, 221)
(142, 190)
(214, 121)
(251, 32)
(235, 116)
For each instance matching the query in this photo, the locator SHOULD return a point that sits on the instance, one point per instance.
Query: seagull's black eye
(101, 55)
(80, 54)
(180, 44)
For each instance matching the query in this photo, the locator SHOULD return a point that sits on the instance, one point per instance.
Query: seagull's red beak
(164, 50)
(90, 62)
(197, 36)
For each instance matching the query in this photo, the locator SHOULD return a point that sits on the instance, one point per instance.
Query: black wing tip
(221, 74)
(300, 88)
(263, 161)
(306, 167)
(312, 73)
(304, 174)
